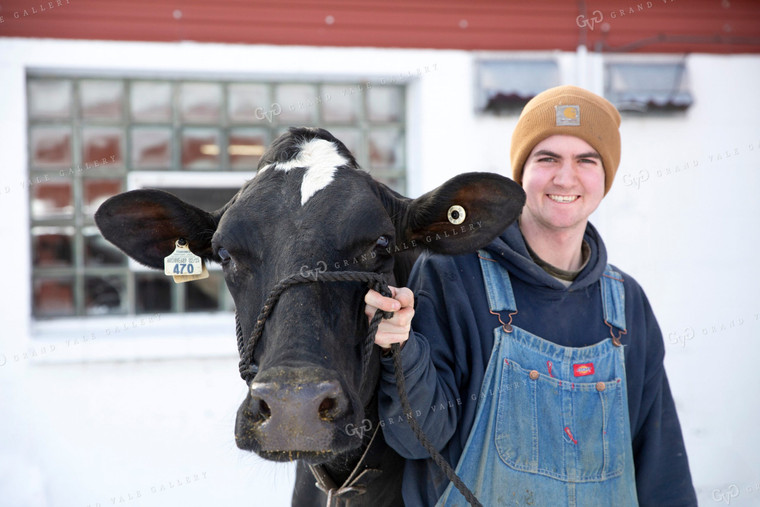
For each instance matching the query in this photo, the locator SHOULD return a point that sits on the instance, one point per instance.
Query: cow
(311, 209)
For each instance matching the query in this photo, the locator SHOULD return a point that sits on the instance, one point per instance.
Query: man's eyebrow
(590, 154)
(545, 153)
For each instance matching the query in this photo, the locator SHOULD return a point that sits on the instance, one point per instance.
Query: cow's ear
(145, 224)
(464, 214)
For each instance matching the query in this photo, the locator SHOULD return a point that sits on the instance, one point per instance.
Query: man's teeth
(563, 198)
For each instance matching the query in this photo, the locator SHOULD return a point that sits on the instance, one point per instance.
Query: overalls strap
(613, 298)
(501, 298)
(498, 287)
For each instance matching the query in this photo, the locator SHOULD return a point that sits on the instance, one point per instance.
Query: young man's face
(563, 179)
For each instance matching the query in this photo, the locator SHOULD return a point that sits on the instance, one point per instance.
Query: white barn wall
(97, 421)
(691, 239)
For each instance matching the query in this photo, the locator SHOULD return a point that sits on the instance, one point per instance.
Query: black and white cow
(311, 206)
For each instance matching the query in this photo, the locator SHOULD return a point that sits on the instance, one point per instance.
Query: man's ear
(464, 214)
(145, 224)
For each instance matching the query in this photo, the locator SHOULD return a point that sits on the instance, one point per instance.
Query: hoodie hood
(510, 249)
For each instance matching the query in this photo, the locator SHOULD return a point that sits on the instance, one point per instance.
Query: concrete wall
(145, 417)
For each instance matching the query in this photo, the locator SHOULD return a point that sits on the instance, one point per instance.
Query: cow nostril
(264, 411)
(327, 408)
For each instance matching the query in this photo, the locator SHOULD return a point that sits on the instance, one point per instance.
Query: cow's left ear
(145, 224)
(464, 214)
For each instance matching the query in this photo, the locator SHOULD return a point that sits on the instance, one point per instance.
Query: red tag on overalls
(581, 370)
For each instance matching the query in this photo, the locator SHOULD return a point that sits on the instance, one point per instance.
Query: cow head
(309, 209)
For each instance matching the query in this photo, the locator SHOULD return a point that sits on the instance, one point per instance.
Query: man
(534, 366)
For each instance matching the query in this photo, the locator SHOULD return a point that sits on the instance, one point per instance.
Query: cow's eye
(224, 255)
(382, 242)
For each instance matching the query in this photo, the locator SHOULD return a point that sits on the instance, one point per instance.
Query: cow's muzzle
(291, 417)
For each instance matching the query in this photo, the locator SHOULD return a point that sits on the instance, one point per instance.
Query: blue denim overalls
(551, 428)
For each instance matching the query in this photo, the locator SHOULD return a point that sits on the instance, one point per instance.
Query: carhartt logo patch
(581, 370)
(568, 116)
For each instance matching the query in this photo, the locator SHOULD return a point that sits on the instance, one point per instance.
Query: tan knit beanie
(568, 110)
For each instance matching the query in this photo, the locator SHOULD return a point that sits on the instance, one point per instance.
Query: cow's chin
(312, 452)
(310, 457)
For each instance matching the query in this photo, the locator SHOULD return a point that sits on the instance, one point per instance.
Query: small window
(505, 86)
(648, 87)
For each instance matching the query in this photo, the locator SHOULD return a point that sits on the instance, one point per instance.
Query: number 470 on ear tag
(183, 265)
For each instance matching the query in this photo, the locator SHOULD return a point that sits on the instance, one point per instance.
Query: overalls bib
(551, 427)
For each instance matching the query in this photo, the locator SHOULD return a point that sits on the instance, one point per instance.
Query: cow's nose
(296, 416)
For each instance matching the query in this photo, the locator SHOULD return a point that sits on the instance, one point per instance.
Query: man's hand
(396, 329)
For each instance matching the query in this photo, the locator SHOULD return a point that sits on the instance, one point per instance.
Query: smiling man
(534, 366)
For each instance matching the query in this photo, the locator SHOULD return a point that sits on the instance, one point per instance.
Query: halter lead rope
(377, 282)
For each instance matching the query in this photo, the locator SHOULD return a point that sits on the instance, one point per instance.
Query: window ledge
(131, 338)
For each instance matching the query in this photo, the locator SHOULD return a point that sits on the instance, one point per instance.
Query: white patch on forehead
(321, 159)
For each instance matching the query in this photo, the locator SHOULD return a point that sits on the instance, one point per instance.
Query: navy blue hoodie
(450, 345)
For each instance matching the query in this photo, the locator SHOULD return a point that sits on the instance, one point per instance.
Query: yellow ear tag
(183, 265)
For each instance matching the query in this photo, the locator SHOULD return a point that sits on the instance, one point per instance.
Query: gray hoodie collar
(510, 249)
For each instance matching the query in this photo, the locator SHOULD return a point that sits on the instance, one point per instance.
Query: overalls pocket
(571, 431)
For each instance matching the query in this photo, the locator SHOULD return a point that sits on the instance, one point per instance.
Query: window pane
(246, 147)
(49, 99)
(53, 297)
(200, 102)
(648, 86)
(101, 99)
(393, 180)
(53, 199)
(385, 103)
(340, 104)
(208, 199)
(51, 146)
(151, 148)
(249, 103)
(296, 104)
(386, 148)
(352, 138)
(151, 101)
(153, 293)
(52, 246)
(200, 148)
(102, 146)
(203, 295)
(99, 252)
(103, 294)
(96, 191)
(505, 86)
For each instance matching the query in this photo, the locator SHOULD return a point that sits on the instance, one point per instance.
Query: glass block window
(93, 137)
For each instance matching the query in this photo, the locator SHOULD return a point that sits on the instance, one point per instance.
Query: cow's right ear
(460, 216)
(145, 224)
